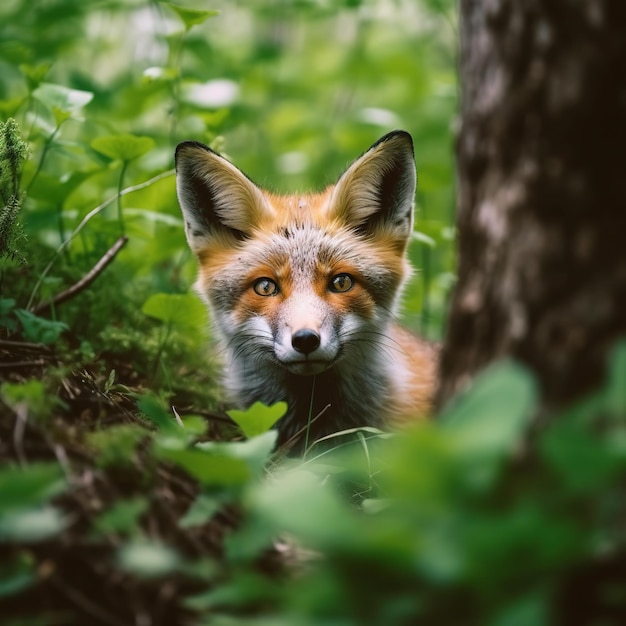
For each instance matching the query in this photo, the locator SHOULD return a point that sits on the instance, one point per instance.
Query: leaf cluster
(13, 153)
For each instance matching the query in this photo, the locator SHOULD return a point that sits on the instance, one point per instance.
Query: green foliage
(123, 147)
(190, 17)
(13, 152)
(38, 329)
(482, 517)
(31, 394)
(258, 418)
(147, 559)
(25, 514)
(461, 514)
(182, 310)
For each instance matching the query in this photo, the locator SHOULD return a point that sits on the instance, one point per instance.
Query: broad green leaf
(35, 74)
(194, 424)
(60, 115)
(184, 310)
(297, 501)
(38, 329)
(154, 409)
(6, 306)
(485, 425)
(256, 451)
(34, 524)
(491, 417)
(201, 511)
(62, 98)
(191, 17)
(582, 464)
(210, 469)
(34, 484)
(148, 559)
(258, 418)
(122, 517)
(124, 147)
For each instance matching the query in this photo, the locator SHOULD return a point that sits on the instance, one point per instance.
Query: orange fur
(303, 289)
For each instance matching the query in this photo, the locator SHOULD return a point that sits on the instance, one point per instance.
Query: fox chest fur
(303, 290)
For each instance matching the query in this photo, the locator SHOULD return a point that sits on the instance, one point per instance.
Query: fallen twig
(24, 345)
(86, 280)
(86, 220)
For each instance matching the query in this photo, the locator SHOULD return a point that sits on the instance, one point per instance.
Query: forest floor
(78, 580)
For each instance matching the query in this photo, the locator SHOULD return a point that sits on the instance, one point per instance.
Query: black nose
(305, 340)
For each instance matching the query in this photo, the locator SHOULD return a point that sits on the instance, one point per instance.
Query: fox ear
(377, 192)
(216, 198)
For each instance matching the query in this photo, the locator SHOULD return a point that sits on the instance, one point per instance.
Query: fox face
(302, 286)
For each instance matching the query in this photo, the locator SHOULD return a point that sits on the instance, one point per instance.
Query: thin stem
(308, 425)
(159, 354)
(86, 220)
(44, 152)
(120, 186)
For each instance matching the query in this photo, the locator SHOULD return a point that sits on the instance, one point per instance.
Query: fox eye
(341, 283)
(265, 287)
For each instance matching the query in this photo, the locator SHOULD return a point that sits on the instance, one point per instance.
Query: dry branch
(86, 280)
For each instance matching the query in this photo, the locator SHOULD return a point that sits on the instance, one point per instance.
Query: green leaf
(122, 517)
(183, 310)
(35, 74)
(154, 410)
(26, 486)
(296, 501)
(485, 425)
(191, 17)
(38, 329)
(201, 511)
(256, 451)
(148, 559)
(259, 418)
(62, 98)
(36, 524)
(6, 307)
(491, 417)
(210, 469)
(123, 147)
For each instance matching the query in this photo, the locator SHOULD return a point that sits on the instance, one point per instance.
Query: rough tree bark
(542, 192)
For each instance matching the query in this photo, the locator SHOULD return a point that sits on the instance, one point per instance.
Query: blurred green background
(290, 91)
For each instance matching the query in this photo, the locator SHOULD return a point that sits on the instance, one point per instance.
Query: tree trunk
(542, 192)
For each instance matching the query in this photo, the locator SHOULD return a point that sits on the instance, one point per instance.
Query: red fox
(303, 289)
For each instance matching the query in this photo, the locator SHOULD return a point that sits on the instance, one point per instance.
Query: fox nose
(305, 340)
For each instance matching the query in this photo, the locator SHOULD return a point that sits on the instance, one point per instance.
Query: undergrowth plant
(459, 517)
(13, 152)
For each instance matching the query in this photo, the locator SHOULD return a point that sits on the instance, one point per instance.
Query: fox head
(300, 283)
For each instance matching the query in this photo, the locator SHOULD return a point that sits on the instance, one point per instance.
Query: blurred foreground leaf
(259, 418)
